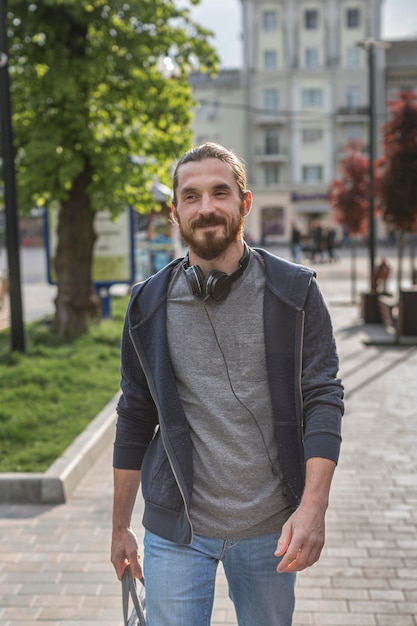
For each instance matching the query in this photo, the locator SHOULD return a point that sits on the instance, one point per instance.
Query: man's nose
(206, 205)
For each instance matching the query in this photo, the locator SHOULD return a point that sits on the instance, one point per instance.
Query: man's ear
(247, 201)
(174, 217)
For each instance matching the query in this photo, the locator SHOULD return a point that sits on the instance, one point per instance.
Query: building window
(215, 111)
(353, 132)
(353, 57)
(270, 21)
(270, 100)
(208, 111)
(271, 174)
(270, 59)
(311, 58)
(353, 97)
(311, 19)
(311, 135)
(353, 18)
(202, 110)
(312, 98)
(312, 174)
(271, 141)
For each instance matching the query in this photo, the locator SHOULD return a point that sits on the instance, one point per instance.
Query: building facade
(301, 96)
(401, 68)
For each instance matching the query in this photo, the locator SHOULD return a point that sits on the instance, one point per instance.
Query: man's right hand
(124, 551)
(124, 545)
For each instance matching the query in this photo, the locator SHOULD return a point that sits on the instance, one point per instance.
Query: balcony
(268, 156)
(271, 118)
(349, 114)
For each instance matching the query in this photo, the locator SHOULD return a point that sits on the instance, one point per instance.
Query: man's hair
(213, 151)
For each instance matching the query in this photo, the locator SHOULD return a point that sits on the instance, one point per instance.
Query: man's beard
(212, 245)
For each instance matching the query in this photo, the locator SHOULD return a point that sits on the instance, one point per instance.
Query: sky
(399, 20)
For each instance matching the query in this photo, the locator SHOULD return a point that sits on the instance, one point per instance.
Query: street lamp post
(369, 46)
(371, 70)
(18, 341)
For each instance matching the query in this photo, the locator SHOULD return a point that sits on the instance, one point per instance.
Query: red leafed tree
(349, 198)
(396, 170)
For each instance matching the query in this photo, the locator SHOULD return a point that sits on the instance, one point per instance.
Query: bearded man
(230, 413)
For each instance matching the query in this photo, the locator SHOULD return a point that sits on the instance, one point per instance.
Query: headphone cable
(274, 469)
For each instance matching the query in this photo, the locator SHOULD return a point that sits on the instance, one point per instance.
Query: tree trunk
(77, 303)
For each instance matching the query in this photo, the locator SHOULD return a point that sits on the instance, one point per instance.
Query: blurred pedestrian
(295, 243)
(317, 237)
(331, 240)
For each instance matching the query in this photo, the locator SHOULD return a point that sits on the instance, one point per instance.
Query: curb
(56, 485)
(378, 335)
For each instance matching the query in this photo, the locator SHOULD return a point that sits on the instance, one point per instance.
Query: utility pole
(369, 46)
(247, 19)
(18, 339)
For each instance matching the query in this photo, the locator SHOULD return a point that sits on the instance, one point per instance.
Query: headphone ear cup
(195, 280)
(217, 285)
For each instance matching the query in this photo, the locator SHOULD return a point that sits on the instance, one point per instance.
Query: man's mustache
(211, 220)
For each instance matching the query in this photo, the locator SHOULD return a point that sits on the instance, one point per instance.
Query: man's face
(210, 212)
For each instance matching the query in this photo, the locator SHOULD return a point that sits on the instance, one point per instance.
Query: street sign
(113, 259)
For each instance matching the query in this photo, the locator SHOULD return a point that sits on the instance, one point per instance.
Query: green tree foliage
(89, 90)
(349, 194)
(396, 179)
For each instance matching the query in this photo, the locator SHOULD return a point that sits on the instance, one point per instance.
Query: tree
(349, 198)
(396, 170)
(88, 93)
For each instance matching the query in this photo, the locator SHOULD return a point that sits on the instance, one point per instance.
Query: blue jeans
(180, 581)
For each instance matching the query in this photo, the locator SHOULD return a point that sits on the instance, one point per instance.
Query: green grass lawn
(51, 393)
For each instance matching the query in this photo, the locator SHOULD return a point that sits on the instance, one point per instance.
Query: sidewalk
(54, 560)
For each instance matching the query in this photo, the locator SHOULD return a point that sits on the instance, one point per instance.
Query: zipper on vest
(163, 437)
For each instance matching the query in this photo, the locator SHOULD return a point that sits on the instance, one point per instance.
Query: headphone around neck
(216, 285)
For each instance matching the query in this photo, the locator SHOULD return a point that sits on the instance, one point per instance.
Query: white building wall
(320, 56)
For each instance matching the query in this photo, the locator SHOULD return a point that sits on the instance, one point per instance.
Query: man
(230, 413)
(296, 248)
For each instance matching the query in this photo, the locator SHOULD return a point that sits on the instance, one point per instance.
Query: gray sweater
(220, 370)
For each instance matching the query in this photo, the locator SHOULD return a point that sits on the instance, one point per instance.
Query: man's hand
(302, 539)
(124, 551)
(124, 547)
(302, 536)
